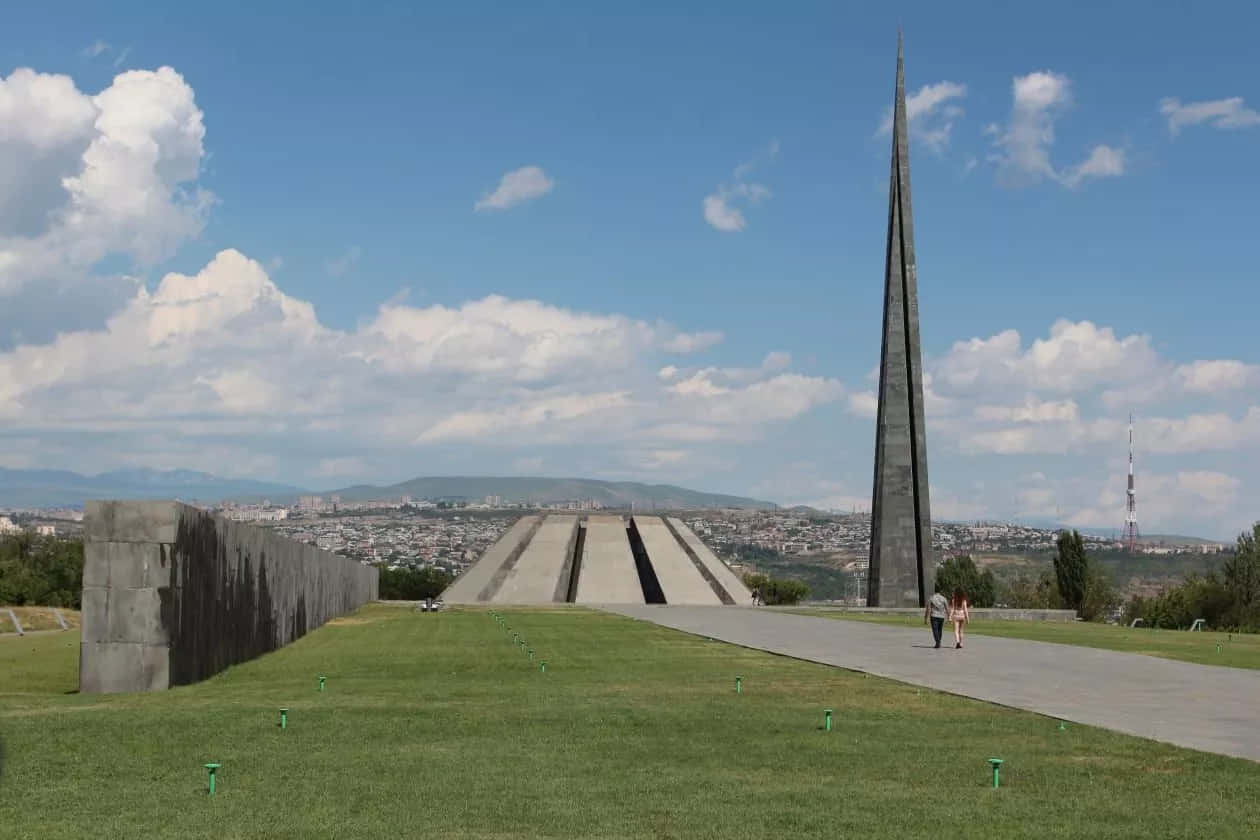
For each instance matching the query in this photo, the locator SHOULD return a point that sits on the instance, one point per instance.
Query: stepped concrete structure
(681, 581)
(607, 574)
(536, 577)
(902, 566)
(173, 594)
(696, 549)
(600, 559)
(500, 556)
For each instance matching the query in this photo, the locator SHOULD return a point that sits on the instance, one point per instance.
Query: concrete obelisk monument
(902, 568)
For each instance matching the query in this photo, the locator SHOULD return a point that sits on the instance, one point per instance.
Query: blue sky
(1093, 169)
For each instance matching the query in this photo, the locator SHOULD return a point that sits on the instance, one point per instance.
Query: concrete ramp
(608, 575)
(536, 577)
(726, 578)
(680, 580)
(471, 587)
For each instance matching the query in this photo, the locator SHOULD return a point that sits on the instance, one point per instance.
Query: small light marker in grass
(321, 682)
(997, 764)
(284, 718)
(542, 666)
(212, 767)
(531, 654)
(826, 720)
(1062, 726)
(739, 685)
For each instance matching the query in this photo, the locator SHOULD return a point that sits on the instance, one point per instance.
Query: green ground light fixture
(997, 766)
(212, 767)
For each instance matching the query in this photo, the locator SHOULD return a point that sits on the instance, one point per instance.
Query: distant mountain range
(540, 490)
(61, 488)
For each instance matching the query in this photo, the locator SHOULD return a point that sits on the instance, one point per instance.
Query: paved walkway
(1202, 707)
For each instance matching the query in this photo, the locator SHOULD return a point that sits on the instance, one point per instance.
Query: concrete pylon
(902, 567)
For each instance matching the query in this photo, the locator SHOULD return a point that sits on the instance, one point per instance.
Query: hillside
(62, 488)
(620, 494)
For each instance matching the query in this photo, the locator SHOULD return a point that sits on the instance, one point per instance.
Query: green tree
(1071, 569)
(1100, 596)
(410, 584)
(776, 591)
(961, 573)
(1027, 592)
(1241, 571)
(41, 571)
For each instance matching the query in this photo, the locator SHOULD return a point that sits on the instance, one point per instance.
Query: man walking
(937, 608)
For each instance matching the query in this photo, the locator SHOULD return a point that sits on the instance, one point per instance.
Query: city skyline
(419, 244)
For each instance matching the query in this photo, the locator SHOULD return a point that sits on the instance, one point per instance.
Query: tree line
(40, 571)
(1228, 601)
(48, 572)
(775, 591)
(411, 584)
(1074, 581)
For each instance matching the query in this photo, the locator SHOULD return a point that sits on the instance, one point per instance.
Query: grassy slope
(36, 618)
(1238, 650)
(436, 726)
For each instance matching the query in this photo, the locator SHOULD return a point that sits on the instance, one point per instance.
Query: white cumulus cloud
(86, 177)
(516, 187)
(931, 113)
(722, 208)
(1023, 145)
(226, 355)
(1218, 113)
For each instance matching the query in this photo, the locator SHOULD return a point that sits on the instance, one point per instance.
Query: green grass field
(437, 726)
(1237, 650)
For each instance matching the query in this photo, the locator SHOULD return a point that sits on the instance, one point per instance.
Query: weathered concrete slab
(1197, 706)
(165, 581)
(726, 578)
(468, 588)
(112, 667)
(608, 575)
(680, 580)
(535, 579)
(148, 522)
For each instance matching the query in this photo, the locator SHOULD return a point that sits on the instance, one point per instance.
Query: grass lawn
(1238, 650)
(437, 726)
(36, 618)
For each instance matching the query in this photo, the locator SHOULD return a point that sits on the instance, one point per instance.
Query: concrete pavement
(1202, 707)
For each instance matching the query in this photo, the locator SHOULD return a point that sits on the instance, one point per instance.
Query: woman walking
(959, 613)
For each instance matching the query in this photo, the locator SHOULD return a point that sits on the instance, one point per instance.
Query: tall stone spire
(902, 567)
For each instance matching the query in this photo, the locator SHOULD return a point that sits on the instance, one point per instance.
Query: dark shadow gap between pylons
(652, 592)
(574, 566)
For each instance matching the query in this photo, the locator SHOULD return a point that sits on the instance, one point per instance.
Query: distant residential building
(46, 530)
(257, 514)
(7, 526)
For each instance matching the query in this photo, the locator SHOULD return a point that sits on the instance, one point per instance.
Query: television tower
(1130, 516)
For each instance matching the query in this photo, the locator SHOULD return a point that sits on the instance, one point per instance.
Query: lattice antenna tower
(1130, 515)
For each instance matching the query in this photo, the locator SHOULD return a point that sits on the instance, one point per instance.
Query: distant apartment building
(257, 514)
(7, 526)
